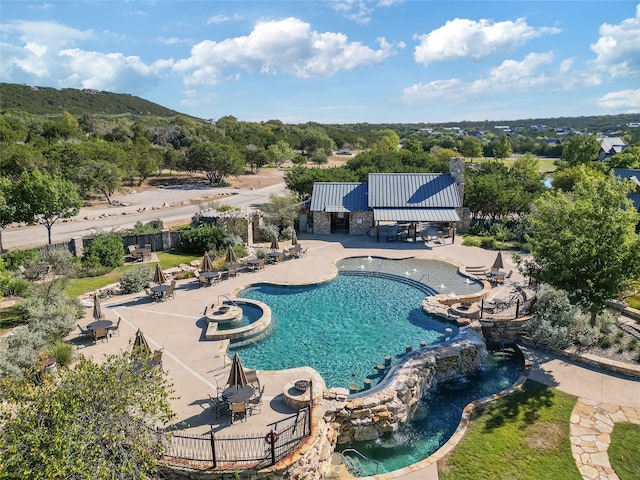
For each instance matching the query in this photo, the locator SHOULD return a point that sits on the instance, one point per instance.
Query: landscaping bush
(14, 286)
(50, 313)
(136, 279)
(62, 352)
(556, 323)
(106, 251)
(267, 232)
(184, 275)
(231, 240)
(19, 352)
(471, 241)
(201, 239)
(154, 226)
(17, 258)
(489, 242)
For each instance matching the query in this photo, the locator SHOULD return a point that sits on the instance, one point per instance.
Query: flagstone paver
(591, 425)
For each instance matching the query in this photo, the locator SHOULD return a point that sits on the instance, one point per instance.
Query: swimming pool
(345, 327)
(436, 419)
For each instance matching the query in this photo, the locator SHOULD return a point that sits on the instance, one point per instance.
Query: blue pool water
(342, 328)
(436, 418)
(250, 313)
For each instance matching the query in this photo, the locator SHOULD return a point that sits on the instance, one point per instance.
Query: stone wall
(497, 331)
(366, 222)
(321, 223)
(385, 410)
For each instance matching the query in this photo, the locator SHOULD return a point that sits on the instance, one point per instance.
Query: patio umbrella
(206, 265)
(231, 255)
(237, 377)
(159, 276)
(294, 238)
(274, 244)
(141, 343)
(498, 264)
(97, 308)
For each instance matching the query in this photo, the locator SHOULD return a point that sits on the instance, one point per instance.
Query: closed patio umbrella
(498, 264)
(206, 265)
(97, 308)
(237, 377)
(159, 277)
(141, 343)
(294, 238)
(274, 244)
(231, 255)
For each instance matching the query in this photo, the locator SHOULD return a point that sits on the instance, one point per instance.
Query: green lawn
(523, 436)
(624, 450)
(8, 318)
(545, 165)
(80, 286)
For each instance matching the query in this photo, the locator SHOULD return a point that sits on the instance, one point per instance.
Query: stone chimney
(456, 168)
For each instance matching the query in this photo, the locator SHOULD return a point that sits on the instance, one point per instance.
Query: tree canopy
(584, 241)
(44, 198)
(95, 423)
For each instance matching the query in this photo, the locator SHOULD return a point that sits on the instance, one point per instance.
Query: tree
(502, 148)
(628, 158)
(280, 152)
(567, 178)
(45, 199)
(95, 423)
(584, 241)
(281, 210)
(471, 147)
(216, 160)
(580, 149)
(7, 207)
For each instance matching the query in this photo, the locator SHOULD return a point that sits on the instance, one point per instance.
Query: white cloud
(510, 75)
(110, 71)
(287, 46)
(361, 11)
(464, 38)
(618, 48)
(624, 100)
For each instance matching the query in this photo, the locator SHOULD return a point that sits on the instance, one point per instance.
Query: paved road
(37, 235)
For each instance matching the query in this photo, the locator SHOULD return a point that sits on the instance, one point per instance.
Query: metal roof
(415, 215)
(339, 197)
(413, 190)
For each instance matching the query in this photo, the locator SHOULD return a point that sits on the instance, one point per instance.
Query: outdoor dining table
(145, 252)
(231, 266)
(254, 263)
(273, 256)
(210, 275)
(495, 273)
(160, 289)
(238, 394)
(98, 324)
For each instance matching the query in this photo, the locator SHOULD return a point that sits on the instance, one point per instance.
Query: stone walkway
(591, 426)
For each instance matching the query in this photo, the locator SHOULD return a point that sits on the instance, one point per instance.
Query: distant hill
(50, 101)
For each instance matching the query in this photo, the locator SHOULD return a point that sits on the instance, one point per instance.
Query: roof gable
(413, 190)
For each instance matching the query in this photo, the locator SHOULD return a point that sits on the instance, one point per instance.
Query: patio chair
(500, 278)
(255, 403)
(203, 281)
(252, 378)
(218, 406)
(134, 254)
(84, 333)
(238, 410)
(232, 272)
(171, 291)
(100, 334)
(115, 328)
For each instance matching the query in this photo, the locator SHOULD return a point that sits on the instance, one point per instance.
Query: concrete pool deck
(198, 367)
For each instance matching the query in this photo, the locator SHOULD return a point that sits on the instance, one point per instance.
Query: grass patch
(524, 435)
(80, 286)
(9, 318)
(624, 450)
(545, 165)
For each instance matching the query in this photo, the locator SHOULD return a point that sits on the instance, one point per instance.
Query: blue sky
(342, 61)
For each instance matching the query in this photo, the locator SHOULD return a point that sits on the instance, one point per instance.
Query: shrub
(201, 239)
(154, 226)
(17, 258)
(287, 232)
(105, 250)
(605, 342)
(488, 242)
(557, 323)
(136, 279)
(470, 241)
(183, 275)
(261, 253)
(268, 231)
(231, 240)
(20, 352)
(62, 352)
(632, 345)
(15, 286)
(50, 313)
